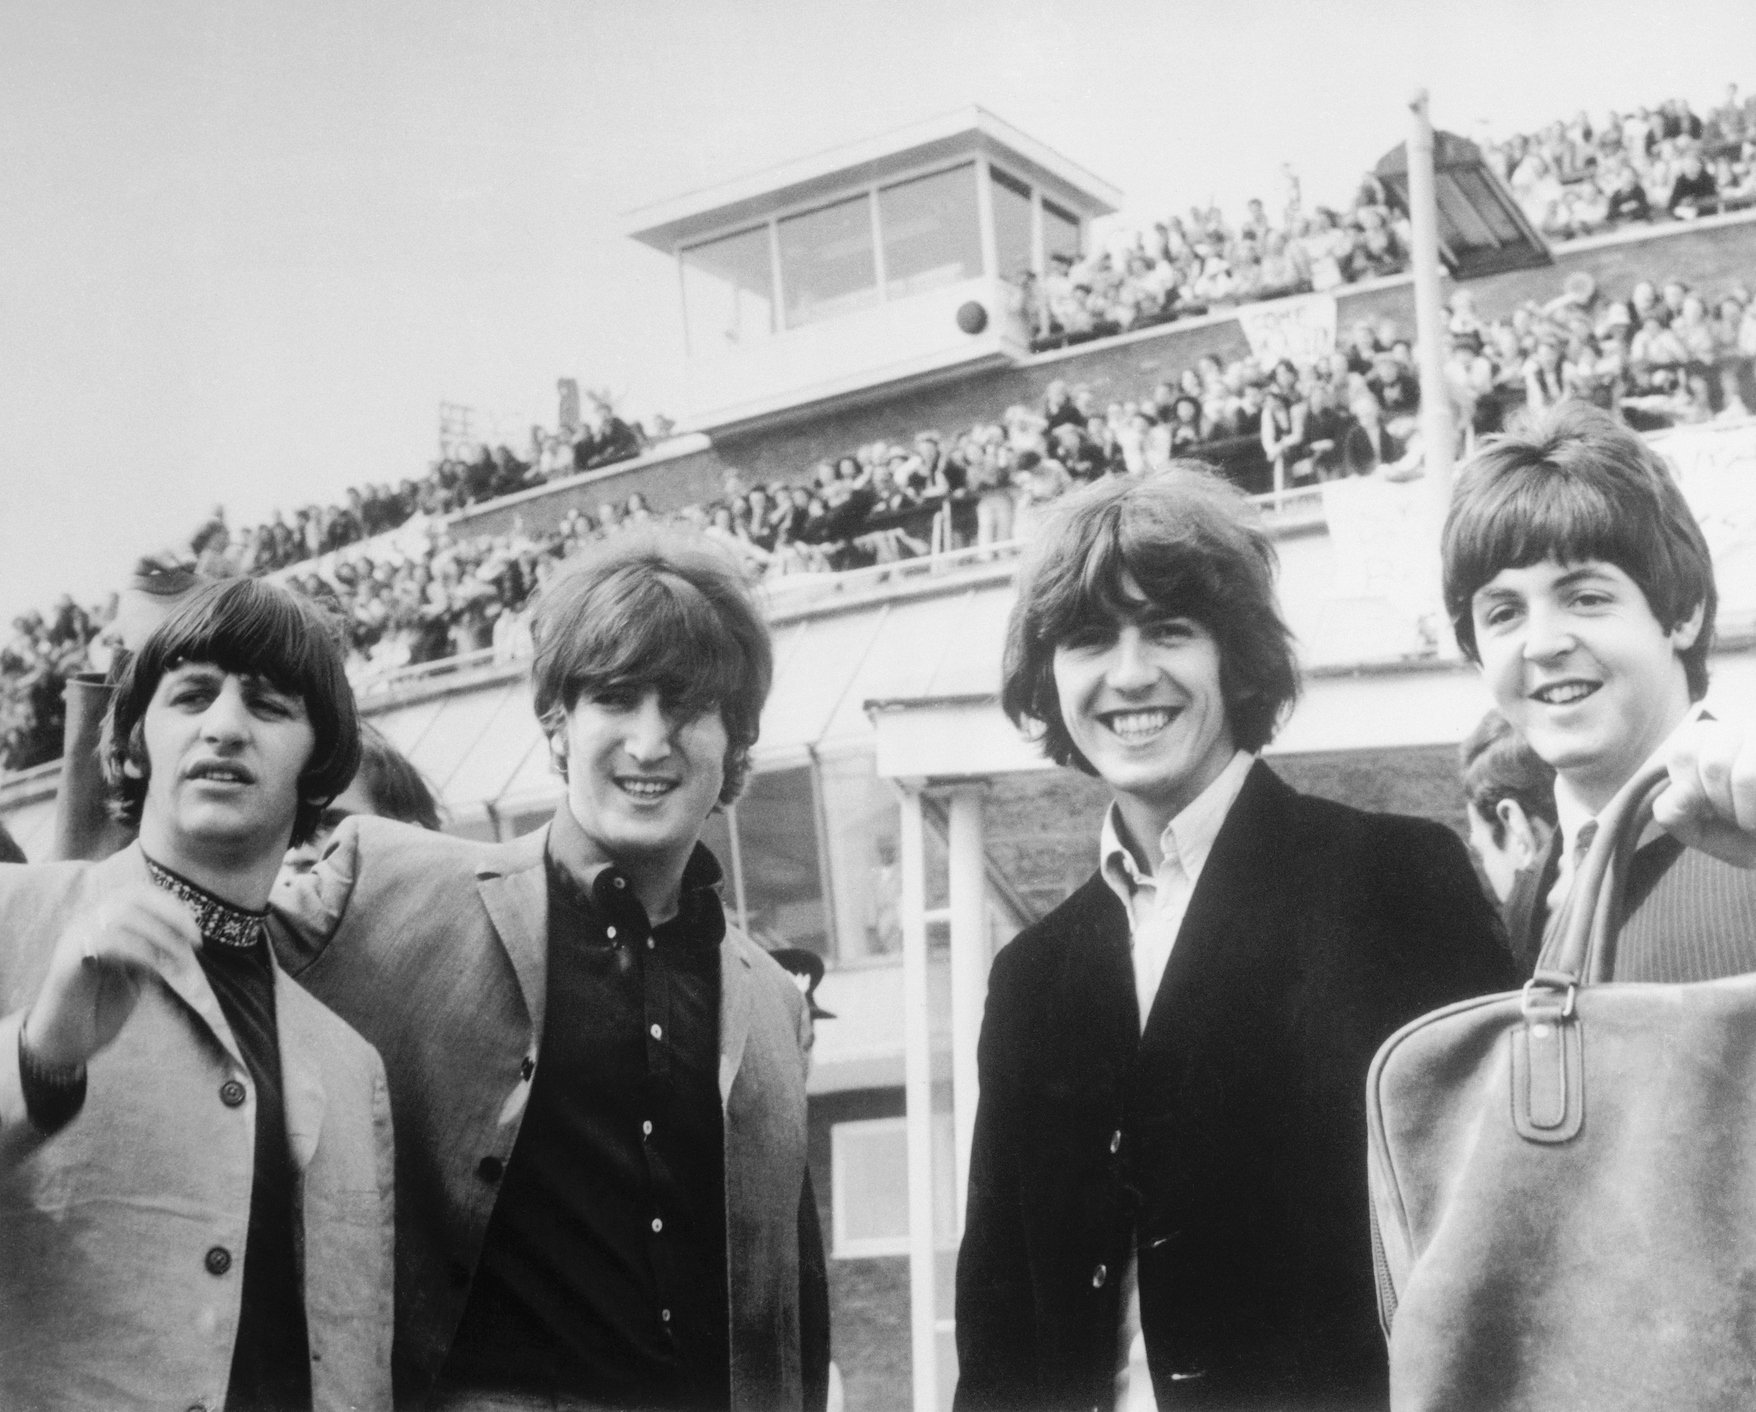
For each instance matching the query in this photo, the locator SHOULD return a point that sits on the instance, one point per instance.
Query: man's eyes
(1497, 614)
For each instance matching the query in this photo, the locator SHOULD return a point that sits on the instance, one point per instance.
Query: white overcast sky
(249, 247)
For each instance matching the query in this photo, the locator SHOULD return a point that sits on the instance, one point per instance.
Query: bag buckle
(1537, 1003)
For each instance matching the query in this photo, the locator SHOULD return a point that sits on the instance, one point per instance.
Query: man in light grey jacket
(195, 1155)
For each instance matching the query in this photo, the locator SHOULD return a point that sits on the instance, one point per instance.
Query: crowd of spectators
(1584, 176)
(1183, 267)
(1572, 179)
(1664, 355)
(35, 662)
(467, 475)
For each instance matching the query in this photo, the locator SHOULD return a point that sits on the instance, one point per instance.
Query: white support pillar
(969, 967)
(1436, 427)
(918, 1098)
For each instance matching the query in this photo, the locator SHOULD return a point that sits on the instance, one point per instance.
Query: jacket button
(490, 1169)
(231, 1093)
(527, 1066)
(219, 1260)
(1115, 1142)
(1099, 1275)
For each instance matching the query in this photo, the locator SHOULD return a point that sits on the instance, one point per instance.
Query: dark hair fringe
(249, 627)
(1190, 542)
(656, 609)
(1573, 484)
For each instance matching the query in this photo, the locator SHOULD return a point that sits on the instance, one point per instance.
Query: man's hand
(97, 969)
(1710, 802)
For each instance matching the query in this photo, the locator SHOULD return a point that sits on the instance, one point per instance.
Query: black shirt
(271, 1367)
(603, 1271)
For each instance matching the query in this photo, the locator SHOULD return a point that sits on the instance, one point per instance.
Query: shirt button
(618, 881)
(1116, 1141)
(490, 1169)
(1099, 1275)
(610, 932)
(657, 1032)
(665, 1314)
(650, 943)
(231, 1093)
(527, 1066)
(219, 1260)
(646, 1128)
(657, 1225)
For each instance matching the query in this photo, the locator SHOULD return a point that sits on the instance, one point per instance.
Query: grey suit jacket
(436, 948)
(108, 1295)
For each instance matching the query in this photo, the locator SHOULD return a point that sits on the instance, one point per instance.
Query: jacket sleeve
(1443, 907)
(996, 1324)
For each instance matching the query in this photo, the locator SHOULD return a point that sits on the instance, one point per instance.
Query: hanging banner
(1301, 329)
(1716, 467)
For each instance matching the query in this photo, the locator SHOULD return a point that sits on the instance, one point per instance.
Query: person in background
(1510, 795)
(1167, 1187)
(195, 1156)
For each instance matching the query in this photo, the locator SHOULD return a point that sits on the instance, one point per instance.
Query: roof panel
(666, 224)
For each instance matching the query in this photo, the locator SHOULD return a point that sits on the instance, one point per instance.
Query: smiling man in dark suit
(1167, 1193)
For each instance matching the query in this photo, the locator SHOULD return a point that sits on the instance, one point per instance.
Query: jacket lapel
(734, 1009)
(516, 896)
(302, 1095)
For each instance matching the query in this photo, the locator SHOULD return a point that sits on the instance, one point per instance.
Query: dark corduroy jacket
(1228, 1142)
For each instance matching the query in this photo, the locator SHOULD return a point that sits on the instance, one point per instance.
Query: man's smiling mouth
(1564, 693)
(1137, 725)
(644, 788)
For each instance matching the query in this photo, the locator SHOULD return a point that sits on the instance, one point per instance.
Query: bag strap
(1547, 1059)
(1592, 916)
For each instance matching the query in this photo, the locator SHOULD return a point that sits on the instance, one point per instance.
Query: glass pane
(777, 834)
(932, 234)
(870, 1159)
(861, 813)
(1060, 232)
(827, 265)
(728, 291)
(872, 1183)
(1011, 226)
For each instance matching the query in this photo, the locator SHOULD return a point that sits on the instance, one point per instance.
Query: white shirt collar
(1186, 840)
